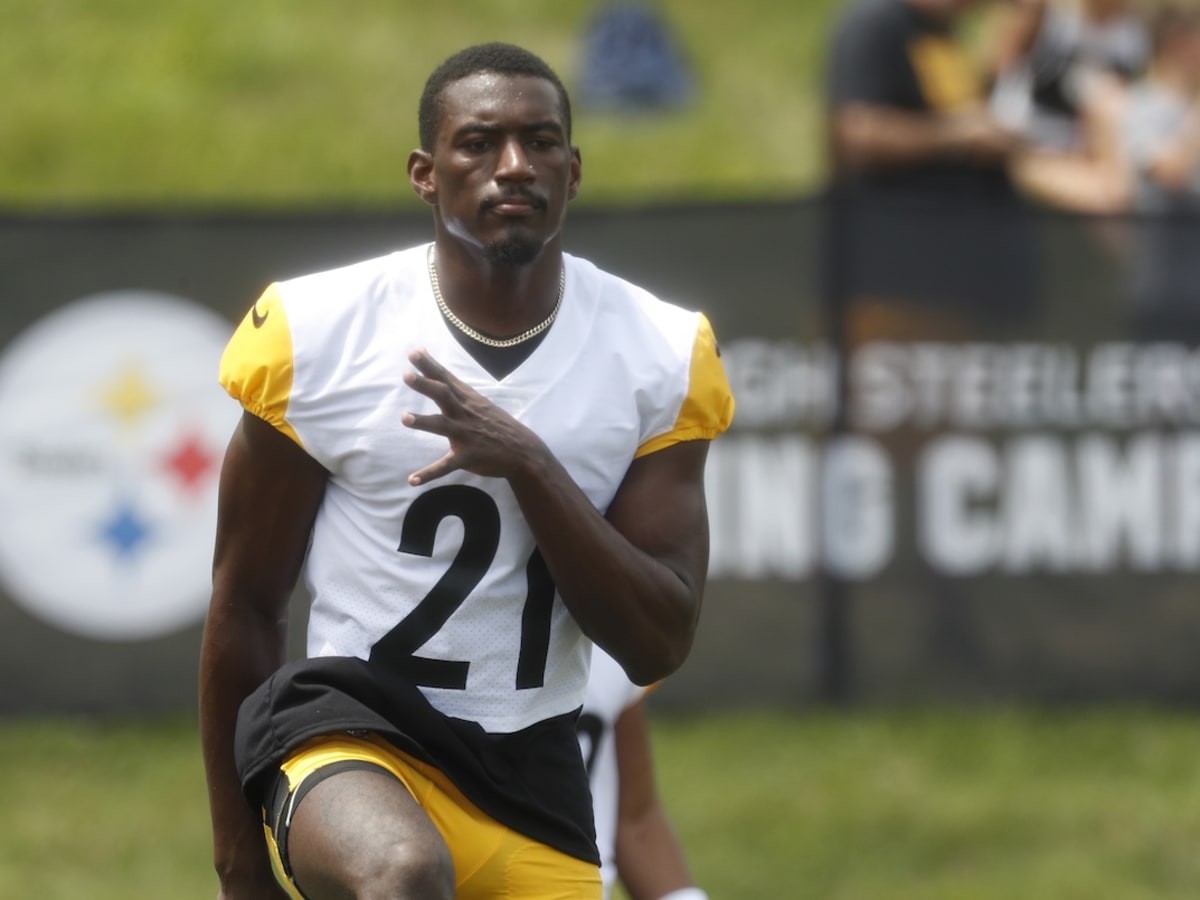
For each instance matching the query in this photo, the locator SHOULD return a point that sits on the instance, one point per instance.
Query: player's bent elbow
(655, 664)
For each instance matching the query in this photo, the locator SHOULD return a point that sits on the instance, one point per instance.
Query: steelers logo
(112, 428)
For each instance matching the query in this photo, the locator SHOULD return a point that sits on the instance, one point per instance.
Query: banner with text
(923, 496)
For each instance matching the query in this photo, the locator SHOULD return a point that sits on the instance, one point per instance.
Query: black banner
(951, 474)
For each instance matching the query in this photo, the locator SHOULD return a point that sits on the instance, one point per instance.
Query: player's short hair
(496, 57)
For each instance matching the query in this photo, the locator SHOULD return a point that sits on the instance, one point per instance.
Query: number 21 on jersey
(481, 537)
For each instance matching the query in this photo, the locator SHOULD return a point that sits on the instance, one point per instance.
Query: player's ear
(421, 177)
(576, 173)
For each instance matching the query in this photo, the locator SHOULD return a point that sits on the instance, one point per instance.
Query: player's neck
(497, 298)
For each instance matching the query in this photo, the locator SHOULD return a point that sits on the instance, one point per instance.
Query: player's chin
(516, 247)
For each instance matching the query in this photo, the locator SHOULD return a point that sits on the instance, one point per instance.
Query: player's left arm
(634, 578)
(637, 592)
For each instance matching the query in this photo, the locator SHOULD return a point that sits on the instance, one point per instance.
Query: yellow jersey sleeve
(707, 410)
(256, 367)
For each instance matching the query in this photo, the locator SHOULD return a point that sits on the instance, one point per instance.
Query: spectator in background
(636, 842)
(1162, 135)
(631, 62)
(929, 234)
(1053, 56)
(1062, 72)
(929, 238)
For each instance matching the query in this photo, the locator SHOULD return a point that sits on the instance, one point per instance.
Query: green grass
(103, 812)
(939, 806)
(308, 102)
(860, 806)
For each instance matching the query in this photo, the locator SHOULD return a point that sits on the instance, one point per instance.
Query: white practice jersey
(609, 694)
(443, 581)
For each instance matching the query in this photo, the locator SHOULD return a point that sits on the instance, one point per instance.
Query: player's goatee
(512, 251)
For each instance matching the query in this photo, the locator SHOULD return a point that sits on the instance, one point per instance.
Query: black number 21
(481, 537)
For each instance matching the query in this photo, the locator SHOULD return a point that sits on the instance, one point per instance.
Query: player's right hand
(484, 439)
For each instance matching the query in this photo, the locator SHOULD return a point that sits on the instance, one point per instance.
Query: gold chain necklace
(479, 336)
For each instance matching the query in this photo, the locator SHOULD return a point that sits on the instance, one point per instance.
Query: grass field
(302, 102)
(863, 805)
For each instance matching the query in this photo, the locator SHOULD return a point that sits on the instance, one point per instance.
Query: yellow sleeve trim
(707, 409)
(256, 367)
(945, 74)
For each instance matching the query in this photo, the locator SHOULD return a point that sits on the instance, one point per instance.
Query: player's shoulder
(341, 285)
(611, 286)
(629, 307)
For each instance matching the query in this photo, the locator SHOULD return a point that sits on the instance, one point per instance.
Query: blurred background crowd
(1084, 106)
